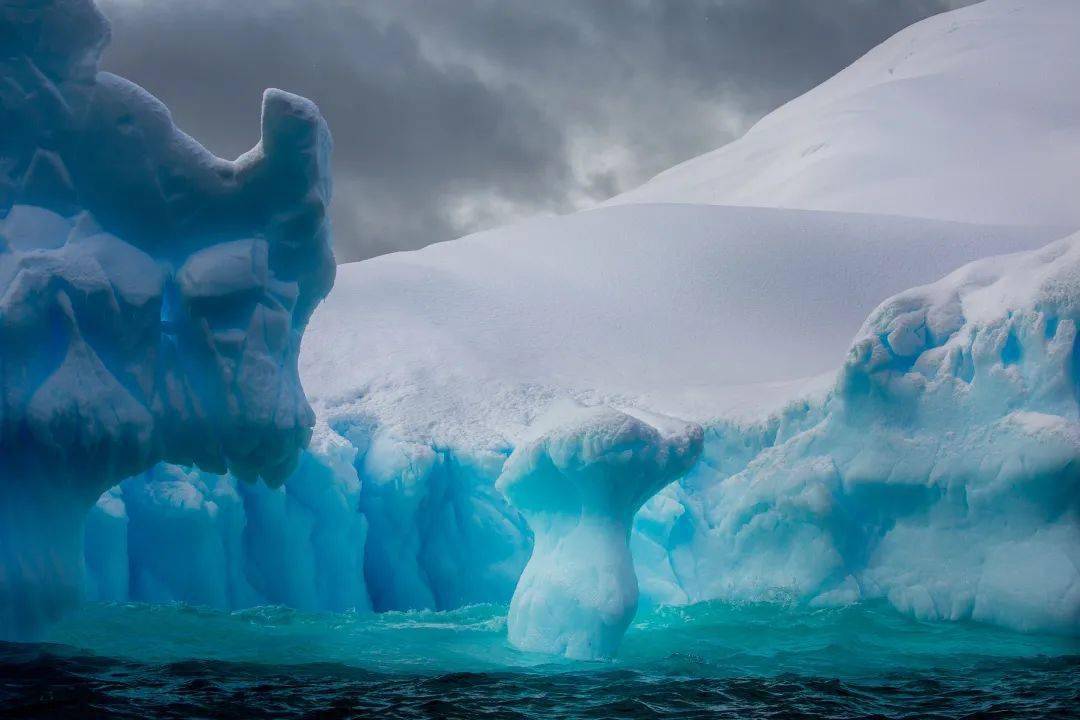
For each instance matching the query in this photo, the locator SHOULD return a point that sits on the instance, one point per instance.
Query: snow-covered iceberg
(428, 369)
(462, 346)
(152, 296)
(942, 472)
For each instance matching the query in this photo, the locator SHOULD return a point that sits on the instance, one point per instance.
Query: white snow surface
(694, 311)
(972, 115)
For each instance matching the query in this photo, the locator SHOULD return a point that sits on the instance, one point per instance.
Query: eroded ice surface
(152, 300)
(466, 343)
(578, 478)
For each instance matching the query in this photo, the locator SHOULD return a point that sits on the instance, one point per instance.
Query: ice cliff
(152, 298)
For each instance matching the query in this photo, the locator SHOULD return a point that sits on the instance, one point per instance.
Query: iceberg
(152, 301)
(578, 481)
(930, 463)
(940, 473)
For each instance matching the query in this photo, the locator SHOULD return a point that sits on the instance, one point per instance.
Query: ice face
(152, 296)
(175, 534)
(579, 482)
(940, 474)
(363, 522)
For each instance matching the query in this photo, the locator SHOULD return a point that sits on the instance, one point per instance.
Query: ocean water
(712, 660)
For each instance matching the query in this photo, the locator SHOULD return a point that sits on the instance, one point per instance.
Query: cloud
(453, 116)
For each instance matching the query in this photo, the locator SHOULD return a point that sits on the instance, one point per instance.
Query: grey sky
(450, 117)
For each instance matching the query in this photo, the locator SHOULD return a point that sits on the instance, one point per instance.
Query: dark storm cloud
(452, 116)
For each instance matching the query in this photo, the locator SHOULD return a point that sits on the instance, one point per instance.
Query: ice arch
(152, 295)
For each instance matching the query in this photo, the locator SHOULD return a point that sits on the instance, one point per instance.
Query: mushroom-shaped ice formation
(578, 480)
(152, 295)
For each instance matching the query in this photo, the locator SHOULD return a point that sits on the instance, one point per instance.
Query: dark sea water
(706, 661)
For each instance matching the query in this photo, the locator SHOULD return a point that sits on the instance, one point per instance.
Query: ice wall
(173, 534)
(367, 520)
(942, 473)
(441, 535)
(152, 296)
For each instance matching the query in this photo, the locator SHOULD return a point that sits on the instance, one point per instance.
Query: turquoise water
(707, 660)
(705, 640)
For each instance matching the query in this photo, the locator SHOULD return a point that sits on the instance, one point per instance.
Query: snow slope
(668, 306)
(971, 115)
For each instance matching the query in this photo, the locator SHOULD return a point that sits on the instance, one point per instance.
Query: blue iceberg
(152, 295)
(579, 480)
(153, 298)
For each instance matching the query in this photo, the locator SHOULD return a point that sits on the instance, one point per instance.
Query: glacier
(152, 301)
(424, 397)
(938, 471)
(931, 462)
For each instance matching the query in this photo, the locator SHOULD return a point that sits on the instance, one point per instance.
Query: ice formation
(184, 534)
(424, 395)
(152, 298)
(937, 470)
(578, 481)
(942, 472)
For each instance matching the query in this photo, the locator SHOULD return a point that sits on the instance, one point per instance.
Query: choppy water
(710, 660)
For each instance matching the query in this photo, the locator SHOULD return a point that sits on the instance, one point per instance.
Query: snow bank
(152, 297)
(463, 343)
(964, 116)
